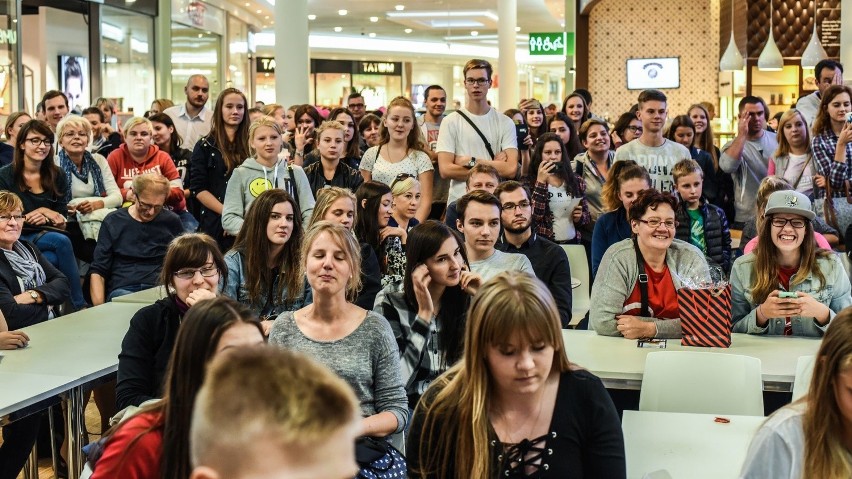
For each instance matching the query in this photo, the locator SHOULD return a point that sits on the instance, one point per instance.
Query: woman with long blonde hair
(494, 414)
(812, 438)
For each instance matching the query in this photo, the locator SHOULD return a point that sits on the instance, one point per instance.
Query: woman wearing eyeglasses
(626, 129)
(787, 286)
(624, 305)
(191, 273)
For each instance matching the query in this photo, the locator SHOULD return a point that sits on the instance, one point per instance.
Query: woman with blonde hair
(794, 159)
(406, 201)
(810, 439)
(159, 105)
(514, 406)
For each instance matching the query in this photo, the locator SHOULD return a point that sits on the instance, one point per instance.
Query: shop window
(127, 59)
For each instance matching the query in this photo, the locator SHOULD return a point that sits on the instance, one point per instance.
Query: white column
(292, 59)
(846, 39)
(507, 64)
(570, 60)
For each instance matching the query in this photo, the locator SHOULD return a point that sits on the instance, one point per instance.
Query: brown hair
(476, 196)
(784, 145)
(48, 171)
(325, 198)
(705, 140)
(346, 240)
(191, 250)
(686, 167)
(415, 136)
(620, 172)
(10, 122)
(236, 151)
(10, 202)
(822, 122)
(650, 199)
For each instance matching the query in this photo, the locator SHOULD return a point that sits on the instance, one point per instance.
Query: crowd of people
(419, 263)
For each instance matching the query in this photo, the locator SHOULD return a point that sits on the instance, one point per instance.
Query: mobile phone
(556, 167)
(521, 131)
(787, 294)
(849, 117)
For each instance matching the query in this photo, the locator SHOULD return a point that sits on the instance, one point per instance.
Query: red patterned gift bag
(705, 316)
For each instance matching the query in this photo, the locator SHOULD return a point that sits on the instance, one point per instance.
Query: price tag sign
(558, 43)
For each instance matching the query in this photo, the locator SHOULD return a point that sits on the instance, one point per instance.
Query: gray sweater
(499, 262)
(367, 359)
(617, 277)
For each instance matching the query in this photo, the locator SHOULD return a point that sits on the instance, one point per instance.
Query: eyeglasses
(402, 177)
(796, 223)
(356, 105)
(146, 207)
(7, 218)
(39, 141)
(206, 271)
(512, 206)
(656, 222)
(635, 129)
(477, 81)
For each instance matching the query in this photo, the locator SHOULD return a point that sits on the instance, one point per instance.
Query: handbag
(837, 212)
(705, 316)
(378, 459)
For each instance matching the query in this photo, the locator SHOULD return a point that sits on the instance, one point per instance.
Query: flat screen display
(653, 73)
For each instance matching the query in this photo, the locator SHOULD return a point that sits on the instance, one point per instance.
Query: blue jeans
(56, 248)
(133, 288)
(190, 224)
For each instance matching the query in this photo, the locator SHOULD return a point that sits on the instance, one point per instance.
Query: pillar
(292, 59)
(507, 64)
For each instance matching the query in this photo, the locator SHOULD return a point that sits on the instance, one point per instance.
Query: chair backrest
(804, 371)
(702, 382)
(580, 270)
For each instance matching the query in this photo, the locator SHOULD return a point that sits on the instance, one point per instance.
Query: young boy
(269, 413)
(699, 222)
(330, 171)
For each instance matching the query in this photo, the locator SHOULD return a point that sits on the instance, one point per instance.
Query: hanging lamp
(814, 52)
(732, 59)
(770, 58)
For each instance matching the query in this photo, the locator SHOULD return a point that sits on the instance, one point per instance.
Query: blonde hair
(620, 172)
(10, 202)
(266, 394)
(135, 121)
(330, 125)
(151, 182)
(270, 109)
(73, 121)
(259, 123)
(509, 304)
(163, 103)
(326, 197)
(686, 167)
(783, 144)
(401, 187)
(346, 240)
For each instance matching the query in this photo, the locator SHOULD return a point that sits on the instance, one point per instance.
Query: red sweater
(139, 460)
(124, 169)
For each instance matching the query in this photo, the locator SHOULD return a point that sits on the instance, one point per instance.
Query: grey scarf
(25, 266)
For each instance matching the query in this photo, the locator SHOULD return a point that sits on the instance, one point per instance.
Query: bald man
(192, 119)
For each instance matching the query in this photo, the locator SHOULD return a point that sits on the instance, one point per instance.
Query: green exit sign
(558, 43)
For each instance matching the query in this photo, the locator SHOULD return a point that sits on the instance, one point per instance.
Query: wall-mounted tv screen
(656, 73)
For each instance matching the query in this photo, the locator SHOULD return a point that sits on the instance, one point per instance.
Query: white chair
(804, 371)
(580, 270)
(702, 382)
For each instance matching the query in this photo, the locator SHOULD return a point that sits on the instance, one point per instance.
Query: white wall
(846, 39)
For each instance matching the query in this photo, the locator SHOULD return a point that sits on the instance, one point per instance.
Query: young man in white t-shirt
(460, 147)
(651, 150)
(435, 100)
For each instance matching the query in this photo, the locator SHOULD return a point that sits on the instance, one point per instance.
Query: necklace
(522, 426)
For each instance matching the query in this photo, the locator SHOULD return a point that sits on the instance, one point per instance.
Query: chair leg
(54, 454)
(31, 468)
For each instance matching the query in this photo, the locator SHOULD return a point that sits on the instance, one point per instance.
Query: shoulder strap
(643, 280)
(479, 132)
(295, 185)
(799, 178)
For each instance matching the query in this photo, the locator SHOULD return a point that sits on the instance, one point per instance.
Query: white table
(620, 364)
(688, 446)
(146, 296)
(65, 355)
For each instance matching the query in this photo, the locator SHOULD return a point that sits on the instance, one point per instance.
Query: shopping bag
(705, 316)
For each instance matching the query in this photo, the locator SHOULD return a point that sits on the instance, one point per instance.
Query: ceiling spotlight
(374, 19)
(474, 33)
(372, 35)
(517, 29)
(408, 30)
(338, 29)
(342, 12)
(259, 11)
(312, 17)
(399, 8)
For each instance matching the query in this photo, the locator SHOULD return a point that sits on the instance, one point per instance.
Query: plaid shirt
(825, 146)
(542, 216)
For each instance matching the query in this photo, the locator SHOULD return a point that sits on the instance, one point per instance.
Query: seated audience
(329, 169)
(358, 345)
(91, 186)
(549, 261)
(171, 142)
(41, 187)
(132, 242)
(555, 192)
(428, 315)
(11, 339)
(479, 222)
(13, 125)
(262, 172)
(625, 306)
(105, 139)
(154, 443)
(626, 179)
(263, 265)
(21, 434)
(375, 203)
(283, 414)
(479, 420)
(192, 269)
(788, 285)
(406, 201)
(338, 205)
(700, 223)
(480, 177)
(810, 438)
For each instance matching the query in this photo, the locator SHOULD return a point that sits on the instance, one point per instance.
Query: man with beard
(430, 124)
(549, 260)
(192, 119)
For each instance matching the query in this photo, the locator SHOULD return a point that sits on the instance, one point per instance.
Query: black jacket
(207, 172)
(717, 235)
(145, 353)
(55, 291)
(344, 177)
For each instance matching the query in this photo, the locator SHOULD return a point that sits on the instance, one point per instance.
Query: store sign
(379, 68)
(265, 64)
(200, 15)
(557, 43)
(8, 37)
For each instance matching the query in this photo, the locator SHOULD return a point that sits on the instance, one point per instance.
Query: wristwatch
(471, 163)
(34, 295)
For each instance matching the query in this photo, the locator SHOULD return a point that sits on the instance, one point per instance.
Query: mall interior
(137, 50)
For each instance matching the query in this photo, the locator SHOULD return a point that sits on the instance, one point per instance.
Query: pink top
(820, 239)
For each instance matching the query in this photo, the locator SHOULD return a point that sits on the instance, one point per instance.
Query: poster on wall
(74, 81)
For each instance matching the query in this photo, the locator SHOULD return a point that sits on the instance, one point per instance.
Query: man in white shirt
(651, 150)
(827, 73)
(460, 147)
(192, 119)
(479, 222)
(430, 124)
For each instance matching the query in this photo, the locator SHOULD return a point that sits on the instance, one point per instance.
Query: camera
(521, 131)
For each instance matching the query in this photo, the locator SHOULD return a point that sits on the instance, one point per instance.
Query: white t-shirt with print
(658, 160)
(383, 171)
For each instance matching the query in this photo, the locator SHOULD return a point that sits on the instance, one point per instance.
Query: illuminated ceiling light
(342, 12)
(408, 30)
(338, 29)
(770, 58)
(259, 11)
(517, 29)
(248, 4)
(814, 53)
(474, 33)
(372, 35)
(732, 59)
(374, 19)
(399, 8)
(312, 17)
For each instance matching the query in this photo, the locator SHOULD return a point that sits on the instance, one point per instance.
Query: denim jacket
(835, 294)
(236, 288)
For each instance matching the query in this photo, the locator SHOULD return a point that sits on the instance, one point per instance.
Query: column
(570, 63)
(846, 39)
(163, 50)
(292, 60)
(507, 64)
